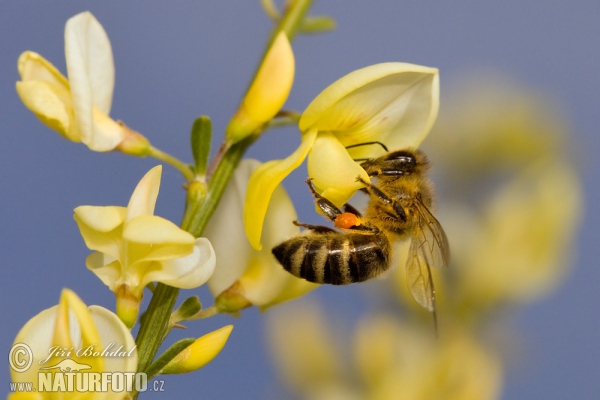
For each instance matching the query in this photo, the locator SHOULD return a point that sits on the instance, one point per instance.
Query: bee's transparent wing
(429, 248)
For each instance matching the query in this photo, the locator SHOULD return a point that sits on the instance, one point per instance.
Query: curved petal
(51, 103)
(99, 218)
(34, 67)
(263, 182)
(186, 272)
(225, 230)
(89, 333)
(108, 269)
(264, 279)
(113, 331)
(101, 227)
(144, 196)
(333, 170)
(37, 333)
(108, 133)
(91, 74)
(392, 102)
(152, 238)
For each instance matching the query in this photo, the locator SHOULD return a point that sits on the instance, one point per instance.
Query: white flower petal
(37, 333)
(91, 73)
(226, 230)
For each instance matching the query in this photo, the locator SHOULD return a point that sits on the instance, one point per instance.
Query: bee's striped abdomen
(335, 258)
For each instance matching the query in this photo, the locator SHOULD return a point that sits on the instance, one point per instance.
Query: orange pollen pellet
(346, 221)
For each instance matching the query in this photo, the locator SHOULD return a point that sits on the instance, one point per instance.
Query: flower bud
(199, 353)
(268, 91)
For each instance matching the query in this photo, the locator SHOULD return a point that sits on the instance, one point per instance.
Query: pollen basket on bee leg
(346, 221)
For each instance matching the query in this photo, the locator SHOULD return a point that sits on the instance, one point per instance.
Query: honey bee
(398, 209)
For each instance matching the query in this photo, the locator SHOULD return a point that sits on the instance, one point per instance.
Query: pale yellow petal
(268, 91)
(154, 230)
(101, 227)
(107, 133)
(100, 218)
(51, 103)
(305, 347)
(91, 73)
(144, 196)
(73, 312)
(89, 332)
(34, 67)
(265, 281)
(152, 238)
(526, 251)
(395, 103)
(187, 272)
(108, 269)
(263, 182)
(333, 171)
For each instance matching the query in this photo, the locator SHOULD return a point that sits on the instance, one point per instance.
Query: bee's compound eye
(403, 156)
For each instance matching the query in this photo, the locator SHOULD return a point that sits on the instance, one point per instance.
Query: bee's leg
(316, 228)
(330, 210)
(375, 191)
(349, 209)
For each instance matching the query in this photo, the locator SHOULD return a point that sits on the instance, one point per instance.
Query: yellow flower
(68, 333)
(134, 247)
(522, 254)
(244, 276)
(401, 361)
(199, 353)
(268, 91)
(393, 103)
(78, 108)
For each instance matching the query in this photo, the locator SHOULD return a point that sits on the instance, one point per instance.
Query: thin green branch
(184, 168)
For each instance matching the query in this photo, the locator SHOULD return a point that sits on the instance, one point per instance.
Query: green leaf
(320, 23)
(187, 309)
(200, 138)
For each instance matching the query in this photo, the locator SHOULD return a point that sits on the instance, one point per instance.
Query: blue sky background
(178, 60)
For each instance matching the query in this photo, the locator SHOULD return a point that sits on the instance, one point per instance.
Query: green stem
(155, 324)
(175, 162)
(216, 186)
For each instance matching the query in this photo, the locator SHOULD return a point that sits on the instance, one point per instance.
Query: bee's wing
(428, 248)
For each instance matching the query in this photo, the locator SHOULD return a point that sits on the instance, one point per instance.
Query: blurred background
(514, 159)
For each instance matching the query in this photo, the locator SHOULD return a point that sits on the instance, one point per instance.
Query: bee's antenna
(367, 144)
